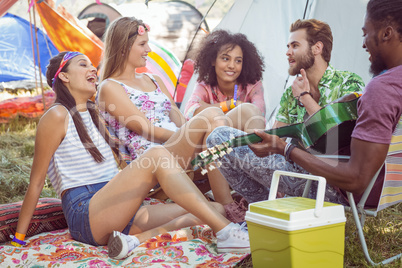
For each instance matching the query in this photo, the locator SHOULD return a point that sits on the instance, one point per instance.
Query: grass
(17, 139)
(384, 232)
(383, 235)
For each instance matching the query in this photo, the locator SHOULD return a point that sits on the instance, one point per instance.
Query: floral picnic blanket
(187, 247)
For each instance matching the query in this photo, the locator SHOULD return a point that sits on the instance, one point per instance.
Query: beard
(377, 65)
(306, 61)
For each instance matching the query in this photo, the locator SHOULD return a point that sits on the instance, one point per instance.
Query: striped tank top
(72, 165)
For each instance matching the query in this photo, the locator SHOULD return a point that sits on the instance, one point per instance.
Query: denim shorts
(75, 203)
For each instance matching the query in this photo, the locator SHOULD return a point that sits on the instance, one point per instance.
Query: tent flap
(16, 58)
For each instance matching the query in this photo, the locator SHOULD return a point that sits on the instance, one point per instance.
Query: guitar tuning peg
(219, 147)
(218, 163)
(229, 150)
(204, 154)
(222, 154)
(214, 157)
(211, 167)
(212, 150)
(203, 171)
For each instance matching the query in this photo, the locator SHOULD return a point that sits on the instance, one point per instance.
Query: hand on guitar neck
(328, 131)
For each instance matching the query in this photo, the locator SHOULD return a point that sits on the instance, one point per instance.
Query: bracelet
(288, 149)
(18, 240)
(224, 106)
(232, 105)
(235, 95)
(302, 94)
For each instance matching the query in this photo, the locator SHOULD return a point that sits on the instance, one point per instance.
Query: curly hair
(253, 62)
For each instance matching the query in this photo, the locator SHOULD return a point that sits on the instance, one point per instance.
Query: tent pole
(191, 44)
(33, 49)
(40, 69)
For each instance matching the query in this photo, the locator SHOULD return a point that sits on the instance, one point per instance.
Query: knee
(157, 151)
(211, 112)
(249, 109)
(213, 116)
(218, 135)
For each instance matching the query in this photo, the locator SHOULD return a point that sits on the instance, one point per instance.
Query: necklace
(215, 94)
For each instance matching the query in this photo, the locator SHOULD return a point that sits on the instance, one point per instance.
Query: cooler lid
(294, 213)
(285, 208)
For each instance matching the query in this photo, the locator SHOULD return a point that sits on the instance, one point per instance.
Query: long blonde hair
(119, 38)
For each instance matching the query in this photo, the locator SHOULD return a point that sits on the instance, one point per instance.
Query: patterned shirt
(155, 105)
(333, 85)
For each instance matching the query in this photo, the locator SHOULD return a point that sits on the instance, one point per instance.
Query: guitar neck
(334, 121)
(291, 131)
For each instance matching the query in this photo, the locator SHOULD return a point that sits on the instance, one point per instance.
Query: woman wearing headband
(139, 109)
(102, 205)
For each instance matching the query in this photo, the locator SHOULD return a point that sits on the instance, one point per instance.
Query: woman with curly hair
(229, 70)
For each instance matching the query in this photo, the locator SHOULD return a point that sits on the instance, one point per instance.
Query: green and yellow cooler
(296, 231)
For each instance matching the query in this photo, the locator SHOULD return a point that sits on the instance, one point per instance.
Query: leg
(220, 187)
(237, 176)
(112, 207)
(246, 117)
(251, 175)
(190, 138)
(157, 219)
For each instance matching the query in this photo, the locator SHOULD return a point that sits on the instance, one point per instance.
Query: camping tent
(68, 33)
(173, 23)
(266, 23)
(17, 62)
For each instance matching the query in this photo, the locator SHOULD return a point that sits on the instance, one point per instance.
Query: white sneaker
(234, 240)
(120, 245)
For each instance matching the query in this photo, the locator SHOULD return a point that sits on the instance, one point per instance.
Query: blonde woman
(141, 112)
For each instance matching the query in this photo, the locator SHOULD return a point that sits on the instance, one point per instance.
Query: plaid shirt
(333, 85)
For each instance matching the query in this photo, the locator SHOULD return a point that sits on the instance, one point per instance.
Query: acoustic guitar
(328, 131)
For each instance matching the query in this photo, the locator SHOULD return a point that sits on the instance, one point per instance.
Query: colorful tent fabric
(5, 5)
(17, 61)
(30, 107)
(67, 34)
(163, 63)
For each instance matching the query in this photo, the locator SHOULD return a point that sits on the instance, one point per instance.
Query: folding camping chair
(391, 193)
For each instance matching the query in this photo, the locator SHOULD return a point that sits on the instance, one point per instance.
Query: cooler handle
(320, 189)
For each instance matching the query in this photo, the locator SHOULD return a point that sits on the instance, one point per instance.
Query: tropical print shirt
(333, 85)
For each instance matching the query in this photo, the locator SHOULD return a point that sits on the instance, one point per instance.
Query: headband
(141, 30)
(68, 56)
